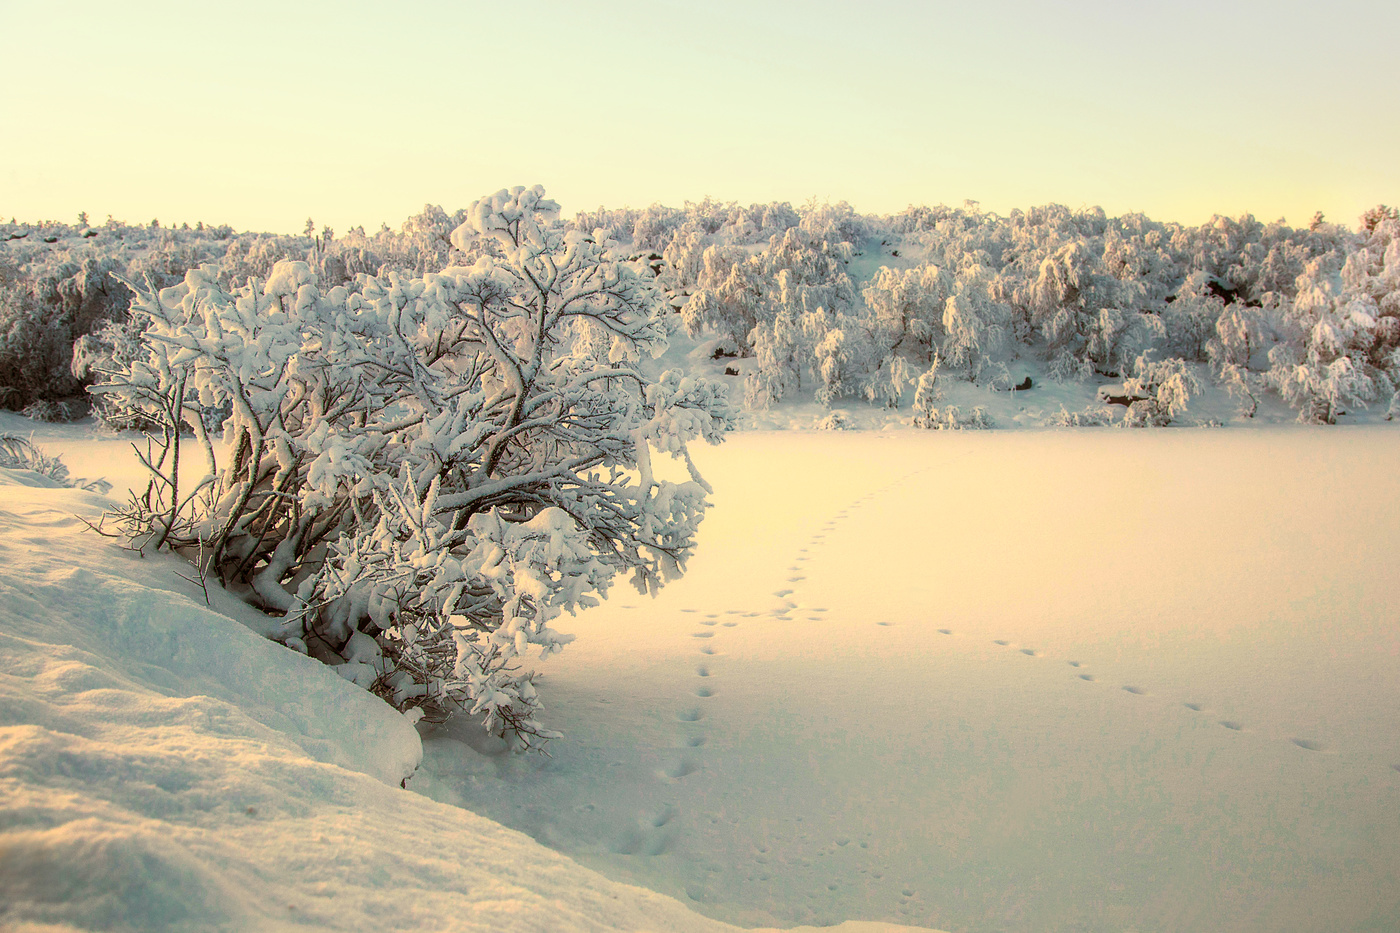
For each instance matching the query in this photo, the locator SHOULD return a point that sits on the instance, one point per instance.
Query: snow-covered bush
(951, 418)
(41, 314)
(1328, 362)
(18, 453)
(975, 324)
(1091, 417)
(929, 412)
(927, 394)
(1162, 389)
(908, 306)
(421, 474)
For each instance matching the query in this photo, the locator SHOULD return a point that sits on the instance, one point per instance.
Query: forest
(822, 303)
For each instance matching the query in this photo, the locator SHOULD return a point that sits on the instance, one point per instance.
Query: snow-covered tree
(908, 306)
(1327, 363)
(730, 297)
(420, 475)
(975, 324)
(1163, 387)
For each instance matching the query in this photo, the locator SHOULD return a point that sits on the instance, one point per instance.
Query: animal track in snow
(1135, 691)
(691, 714)
(884, 623)
(702, 634)
(945, 631)
(703, 692)
(1194, 707)
(708, 649)
(1232, 725)
(685, 766)
(1000, 641)
(702, 671)
(1029, 652)
(1087, 677)
(1308, 744)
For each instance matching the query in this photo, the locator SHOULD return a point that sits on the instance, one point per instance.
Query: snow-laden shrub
(975, 324)
(951, 418)
(1328, 362)
(18, 453)
(927, 394)
(908, 306)
(930, 414)
(420, 475)
(1091, 417)
(41, 314)
(1162, 389)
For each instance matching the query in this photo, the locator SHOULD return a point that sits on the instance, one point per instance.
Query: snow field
(994, 681)
(1022, 681)
(163, 767)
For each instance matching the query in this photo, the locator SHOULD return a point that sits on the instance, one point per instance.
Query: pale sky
(350, 112)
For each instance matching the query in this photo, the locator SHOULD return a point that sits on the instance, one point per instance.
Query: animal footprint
(704, 692)
(945, 631)
(692, 714)
(702, 634)
(702, 671)
(684, 767)
(1135, 691)
(884, 623)
(999, 641)
(1308, 744)
(1088, 677)
(1232, 725)
(707, 649)
(1028, 652)
(1073, 663)
(1194, 707)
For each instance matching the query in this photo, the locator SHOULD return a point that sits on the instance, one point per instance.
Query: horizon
(260, 117)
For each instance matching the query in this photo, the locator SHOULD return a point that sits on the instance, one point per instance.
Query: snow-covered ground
(1018, 680)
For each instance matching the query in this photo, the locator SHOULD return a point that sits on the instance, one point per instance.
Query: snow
(943, 679)
(1009, 680)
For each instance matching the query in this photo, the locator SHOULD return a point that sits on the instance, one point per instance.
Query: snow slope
(1093, 680)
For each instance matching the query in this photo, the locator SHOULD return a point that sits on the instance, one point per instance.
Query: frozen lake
(1015, 680)
(1095, 680)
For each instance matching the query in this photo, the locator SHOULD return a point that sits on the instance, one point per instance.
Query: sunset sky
(353, 113)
